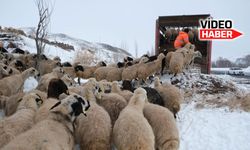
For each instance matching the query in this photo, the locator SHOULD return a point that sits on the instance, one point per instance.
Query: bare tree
(44, 11)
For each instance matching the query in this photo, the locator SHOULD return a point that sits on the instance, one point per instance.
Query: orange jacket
(181, 40)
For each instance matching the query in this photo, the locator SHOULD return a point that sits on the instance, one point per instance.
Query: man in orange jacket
(182, 39)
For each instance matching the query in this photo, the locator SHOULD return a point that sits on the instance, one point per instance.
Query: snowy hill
(62, 45)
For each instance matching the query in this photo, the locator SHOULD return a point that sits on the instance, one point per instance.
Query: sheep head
(72, 106)
(139, 98)
(31, 100)
(56, 88)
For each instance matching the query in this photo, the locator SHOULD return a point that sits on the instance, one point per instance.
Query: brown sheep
(147, 69)
(170, 94)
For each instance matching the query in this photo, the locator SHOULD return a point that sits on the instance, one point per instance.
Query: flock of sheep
(100, 114)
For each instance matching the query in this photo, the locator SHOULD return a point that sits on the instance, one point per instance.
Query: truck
(167, 29)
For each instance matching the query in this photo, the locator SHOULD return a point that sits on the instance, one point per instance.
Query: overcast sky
(129, 21)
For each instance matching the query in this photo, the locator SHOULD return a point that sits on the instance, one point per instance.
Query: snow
(213, 129)
(30, 84)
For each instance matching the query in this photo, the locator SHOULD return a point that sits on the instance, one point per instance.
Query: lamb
(124, 93)
(45, 79)
(55, 89)
(131, 130)
(22, 120)
(171, 95)
(147, 69)
(11, 85)
(164, 126)
(88, 71)
(130, 72)
(94, 131)
(56, 131)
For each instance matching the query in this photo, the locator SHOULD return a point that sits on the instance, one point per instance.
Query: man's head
(186, 30)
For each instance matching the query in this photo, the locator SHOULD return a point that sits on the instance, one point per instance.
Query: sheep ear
(58, 103)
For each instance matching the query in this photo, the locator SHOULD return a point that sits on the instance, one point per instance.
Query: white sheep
(131, 130)
(93, 131)
(13, 84)
(170, 94)
(164, 126)
(22, 120)
(56, 131)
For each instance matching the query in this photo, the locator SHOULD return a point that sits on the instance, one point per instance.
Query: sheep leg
(79, 80)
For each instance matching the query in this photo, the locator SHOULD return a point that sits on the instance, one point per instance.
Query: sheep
(113, 103)
(147, 69)
(47, 65)
(152, 94)
(101, 73)
(176, 64)
(130, 72)
(170, 94)
(18, 64)
(11, 85)
(114, 74)
(94, 131)
(70, 71)
(45, 79)
(55, 89)
(56, 131)
(168, 58)
(22, 120)
(106, 86)
(88, 71)
(68, 80)
(124, 93)
(10, 104)
(131, 130)
(164, 126)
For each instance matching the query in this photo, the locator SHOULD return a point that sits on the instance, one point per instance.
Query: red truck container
(167, 28)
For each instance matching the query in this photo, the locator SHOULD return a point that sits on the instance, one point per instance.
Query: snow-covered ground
(213, 129)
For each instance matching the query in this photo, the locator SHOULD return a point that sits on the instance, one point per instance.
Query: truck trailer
(167, 29)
